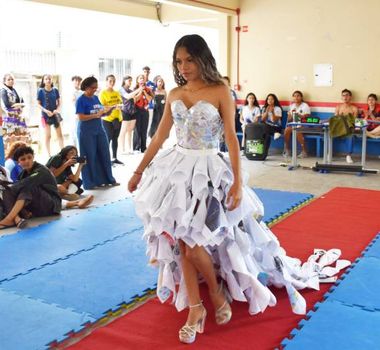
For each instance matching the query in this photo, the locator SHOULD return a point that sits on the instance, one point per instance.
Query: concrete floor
(271, 173)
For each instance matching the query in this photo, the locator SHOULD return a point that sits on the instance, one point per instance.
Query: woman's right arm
(58, 171)
(43, 109)
(158, 139)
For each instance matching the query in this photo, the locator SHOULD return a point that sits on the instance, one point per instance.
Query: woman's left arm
(227, 112)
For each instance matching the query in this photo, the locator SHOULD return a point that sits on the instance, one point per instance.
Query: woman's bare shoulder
(174, 94)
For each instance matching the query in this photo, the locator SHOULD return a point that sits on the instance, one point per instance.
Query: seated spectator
(4, 181)
(35, 194)
(250, 113)
(343, 110)
(297, 110)
(69, 184)
(271, 115)
(372, 112)
(12, 165)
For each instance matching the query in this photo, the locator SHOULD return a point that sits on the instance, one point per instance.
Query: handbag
(56, 118)
(129, 106)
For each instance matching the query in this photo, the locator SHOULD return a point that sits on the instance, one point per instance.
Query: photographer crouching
(69, 183)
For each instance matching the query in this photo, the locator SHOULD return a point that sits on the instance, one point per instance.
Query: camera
(80, 160)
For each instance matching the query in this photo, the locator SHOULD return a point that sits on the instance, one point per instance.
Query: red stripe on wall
(310, 103)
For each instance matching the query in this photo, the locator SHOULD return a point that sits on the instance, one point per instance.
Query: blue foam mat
(29, 324)
(37, 246)
(373, 250)
(360, 286)
(337, 326)
(89, 262)
(277, 203)
(93, 281)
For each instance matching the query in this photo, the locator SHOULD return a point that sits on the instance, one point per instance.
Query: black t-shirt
(55, 162)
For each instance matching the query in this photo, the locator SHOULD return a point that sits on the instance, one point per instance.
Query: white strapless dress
(182, 197)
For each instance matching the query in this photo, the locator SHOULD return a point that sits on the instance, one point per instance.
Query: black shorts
(128, 117)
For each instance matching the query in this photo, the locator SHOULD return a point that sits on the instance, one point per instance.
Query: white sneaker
(349, 159)
(276, 135)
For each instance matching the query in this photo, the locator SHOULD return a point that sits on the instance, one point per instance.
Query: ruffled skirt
(183, 197)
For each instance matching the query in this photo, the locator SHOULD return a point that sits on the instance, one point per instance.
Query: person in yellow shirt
(112, 120)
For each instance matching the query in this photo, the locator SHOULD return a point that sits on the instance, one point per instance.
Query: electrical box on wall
(323, 74)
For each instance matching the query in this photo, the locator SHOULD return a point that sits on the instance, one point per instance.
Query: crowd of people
(271, 116)
(100, 120)
(109, 118)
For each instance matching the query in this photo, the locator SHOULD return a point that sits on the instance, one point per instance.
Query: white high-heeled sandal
(224, 313)
(188, 333)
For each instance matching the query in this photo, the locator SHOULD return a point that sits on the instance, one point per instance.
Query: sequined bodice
(197, 127)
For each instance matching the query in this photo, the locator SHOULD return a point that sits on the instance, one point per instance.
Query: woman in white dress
(198, 217)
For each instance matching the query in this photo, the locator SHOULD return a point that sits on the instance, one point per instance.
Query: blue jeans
(349, 141)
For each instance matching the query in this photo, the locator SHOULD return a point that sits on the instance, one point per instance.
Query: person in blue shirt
(49, 101)
(11, 164)
(93, 142)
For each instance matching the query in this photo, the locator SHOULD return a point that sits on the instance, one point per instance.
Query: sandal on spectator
(22, 223)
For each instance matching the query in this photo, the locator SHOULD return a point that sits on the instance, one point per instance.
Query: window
(119, 67)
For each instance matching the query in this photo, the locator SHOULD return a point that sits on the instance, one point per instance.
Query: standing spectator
(250, 113)
(112, 121)
(298, 109)
(93, 143)
(129, 114)
(271, 116)
(344, 110)
(49, 102)
(13, 122)
(69, 184)
(372, 112)
(150, 84)
(76, 80)
(159, 104)
(142, 98)
(11, 164)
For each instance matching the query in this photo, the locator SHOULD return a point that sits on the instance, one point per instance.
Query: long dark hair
(137, 81)
(65, 150)
(197, 47)
(276, 102)
(42, 84)
(127, 77)
(156, 78)
(255, 103)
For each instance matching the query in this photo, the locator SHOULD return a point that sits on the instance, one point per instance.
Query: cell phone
(80, 159)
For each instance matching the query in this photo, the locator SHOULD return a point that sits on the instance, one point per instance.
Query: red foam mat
(344, 218)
